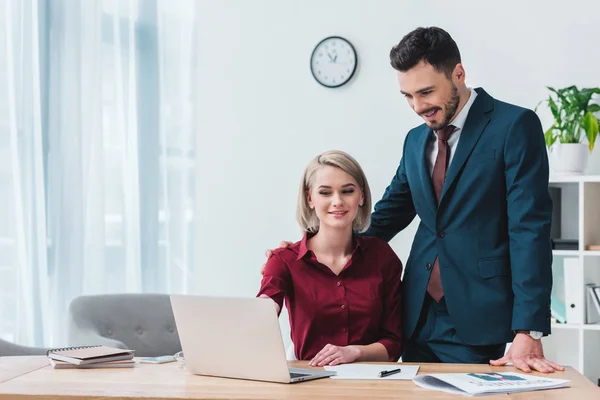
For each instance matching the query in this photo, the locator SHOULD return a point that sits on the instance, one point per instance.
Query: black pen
(383, 374)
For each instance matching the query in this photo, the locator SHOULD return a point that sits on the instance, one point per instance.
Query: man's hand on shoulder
(269, 253)
(527, 354)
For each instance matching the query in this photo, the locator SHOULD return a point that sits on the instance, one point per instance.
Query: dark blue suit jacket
(491, 229)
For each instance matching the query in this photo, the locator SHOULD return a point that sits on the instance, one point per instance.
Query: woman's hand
(334, 355)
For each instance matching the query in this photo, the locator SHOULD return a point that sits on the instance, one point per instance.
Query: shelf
(566, 253)
(576, 200)
(591, 327)
(575, 253)
(585, 327)
(565, 326)
(574, 178)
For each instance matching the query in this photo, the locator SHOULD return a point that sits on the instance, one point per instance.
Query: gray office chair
(11, 349)
(141, 322)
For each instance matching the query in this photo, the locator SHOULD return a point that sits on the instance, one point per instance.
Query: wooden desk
(12, 367)
(26, 378)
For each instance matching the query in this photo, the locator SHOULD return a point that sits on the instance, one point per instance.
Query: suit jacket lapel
(476, 122)
(424, 170)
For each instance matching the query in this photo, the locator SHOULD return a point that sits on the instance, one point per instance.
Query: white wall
(262, 117)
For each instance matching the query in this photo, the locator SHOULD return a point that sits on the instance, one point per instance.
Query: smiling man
(476, 173)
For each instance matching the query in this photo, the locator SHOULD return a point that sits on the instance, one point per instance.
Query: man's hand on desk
(269, 253)
(527, 354)
(334, 355)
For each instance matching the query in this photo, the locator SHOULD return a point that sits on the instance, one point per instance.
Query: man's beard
(450, 107)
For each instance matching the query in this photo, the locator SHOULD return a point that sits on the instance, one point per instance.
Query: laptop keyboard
(296, 375)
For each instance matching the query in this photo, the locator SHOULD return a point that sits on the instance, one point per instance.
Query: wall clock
(333, 61)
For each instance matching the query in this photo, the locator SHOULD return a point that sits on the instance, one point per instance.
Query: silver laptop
(235, 338)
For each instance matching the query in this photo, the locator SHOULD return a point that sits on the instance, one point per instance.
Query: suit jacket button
(442, 234)
(429, 266)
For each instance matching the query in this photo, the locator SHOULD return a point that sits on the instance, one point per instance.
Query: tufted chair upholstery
(141, 322)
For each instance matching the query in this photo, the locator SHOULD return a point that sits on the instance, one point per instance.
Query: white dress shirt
(459, 122)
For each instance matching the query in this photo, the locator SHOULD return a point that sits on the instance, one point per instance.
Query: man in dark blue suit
(476, 173)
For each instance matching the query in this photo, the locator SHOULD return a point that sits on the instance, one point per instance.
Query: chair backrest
(141, 322)
(11, 349)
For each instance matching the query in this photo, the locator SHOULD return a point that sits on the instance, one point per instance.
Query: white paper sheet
(474, 384)
(371, 371)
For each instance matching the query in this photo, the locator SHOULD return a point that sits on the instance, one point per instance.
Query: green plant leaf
(585, 95)
(554, 110)
(590, 125)
(593, 90)
(573, 99)
(559, 93)
(550, 137)
(570, 107)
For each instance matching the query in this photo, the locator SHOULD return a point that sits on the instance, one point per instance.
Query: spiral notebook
(89, 354)
(107, 364)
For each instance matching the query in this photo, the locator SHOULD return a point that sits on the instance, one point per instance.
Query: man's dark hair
(432, 45)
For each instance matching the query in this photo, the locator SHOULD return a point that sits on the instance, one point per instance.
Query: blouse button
(339, 283)
(343, 329)
(343, 306)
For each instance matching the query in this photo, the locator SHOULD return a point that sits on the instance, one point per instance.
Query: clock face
(333, 61)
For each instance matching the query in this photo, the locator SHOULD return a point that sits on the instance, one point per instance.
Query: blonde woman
(342, 291)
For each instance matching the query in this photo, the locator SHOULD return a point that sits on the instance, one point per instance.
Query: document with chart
(481, 383)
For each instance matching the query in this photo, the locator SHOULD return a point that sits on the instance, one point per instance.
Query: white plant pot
(568, 158)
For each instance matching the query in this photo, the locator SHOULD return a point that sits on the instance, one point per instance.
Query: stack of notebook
(86, 357)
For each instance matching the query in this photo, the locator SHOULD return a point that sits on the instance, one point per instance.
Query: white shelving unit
(577, 344)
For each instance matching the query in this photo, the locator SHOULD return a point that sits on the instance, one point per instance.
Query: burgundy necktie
(434, 287)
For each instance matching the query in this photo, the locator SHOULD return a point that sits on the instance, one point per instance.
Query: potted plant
(574, 122)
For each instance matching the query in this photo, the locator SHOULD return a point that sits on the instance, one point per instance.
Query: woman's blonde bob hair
(307, 218)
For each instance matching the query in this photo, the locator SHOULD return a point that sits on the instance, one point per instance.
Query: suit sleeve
(529, 217)
(276, 281)
(395, 211)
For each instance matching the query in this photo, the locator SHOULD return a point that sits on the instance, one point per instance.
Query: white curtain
(97, 164)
